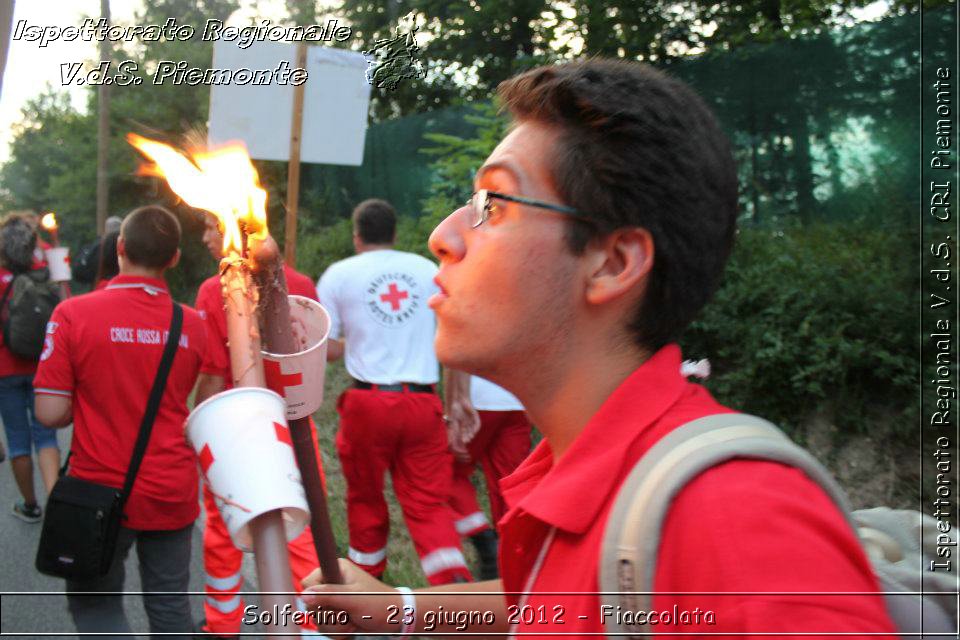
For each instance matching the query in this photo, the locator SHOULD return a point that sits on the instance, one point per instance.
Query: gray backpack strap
(632, 535)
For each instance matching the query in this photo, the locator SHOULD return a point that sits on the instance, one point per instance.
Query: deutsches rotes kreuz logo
(393, 298)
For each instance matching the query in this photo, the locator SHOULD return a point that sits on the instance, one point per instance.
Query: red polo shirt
(11, 365)
(744, 526)
(103, 351)
(210, 305)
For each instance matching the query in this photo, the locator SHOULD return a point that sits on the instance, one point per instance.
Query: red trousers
(223, 605)
(402, 433)
(500, 445)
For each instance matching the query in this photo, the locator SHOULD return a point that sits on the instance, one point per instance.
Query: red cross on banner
(279, 381)
(206, 458)
(394, 296)
(283, 433)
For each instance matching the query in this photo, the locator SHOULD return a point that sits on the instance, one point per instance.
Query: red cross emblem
(394, 296)
(279, 381)
(206, 459)
(283, 433)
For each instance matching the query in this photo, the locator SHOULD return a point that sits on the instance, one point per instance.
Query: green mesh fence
(824, 127)
(393, 167)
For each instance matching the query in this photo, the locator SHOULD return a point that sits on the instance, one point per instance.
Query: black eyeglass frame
(481, 207)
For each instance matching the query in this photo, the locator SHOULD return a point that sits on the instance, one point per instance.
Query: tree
(53, 163)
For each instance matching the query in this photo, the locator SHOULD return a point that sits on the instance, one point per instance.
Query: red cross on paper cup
(279, 381)
(298, 377)
(283, 433)
(246, 454)
(206, 459)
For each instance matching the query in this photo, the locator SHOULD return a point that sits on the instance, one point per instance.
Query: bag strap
(6, 294)
(153, 402)
(632, 535)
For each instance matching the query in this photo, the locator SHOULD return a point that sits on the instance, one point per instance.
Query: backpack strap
(632, 535)
(6, 294)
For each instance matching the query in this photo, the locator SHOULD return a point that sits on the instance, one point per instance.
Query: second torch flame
(49, 221)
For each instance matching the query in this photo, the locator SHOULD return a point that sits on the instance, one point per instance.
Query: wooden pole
(278, 338)
(293, 168)
(103, 131)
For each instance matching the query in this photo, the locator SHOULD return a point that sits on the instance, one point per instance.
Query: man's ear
(618, 264)
(121, 247)
(173, 261)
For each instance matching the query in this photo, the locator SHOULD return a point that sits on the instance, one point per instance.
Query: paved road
(37, 604)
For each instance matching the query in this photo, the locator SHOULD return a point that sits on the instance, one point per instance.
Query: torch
(278, 339)
(225, 183)
(49, 223)
(57, 257)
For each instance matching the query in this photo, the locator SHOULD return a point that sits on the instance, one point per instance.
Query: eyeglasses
(480, 206)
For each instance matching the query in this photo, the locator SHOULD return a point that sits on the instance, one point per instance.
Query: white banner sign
(257, 107)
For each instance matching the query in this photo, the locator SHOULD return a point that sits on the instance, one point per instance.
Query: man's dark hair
(18, 239)
(107, 264)
(151, 236)
(638, 148)
(375, 221)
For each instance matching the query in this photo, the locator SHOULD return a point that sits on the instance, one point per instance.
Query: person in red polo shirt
(222, 561)
(100, 361)
(599, 227)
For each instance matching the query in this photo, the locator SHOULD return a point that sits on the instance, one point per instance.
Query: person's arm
(208, 385)
(462, 419)
(53, 383)
(327, 296)
(53, 411)
(384, 613)
(334, 349)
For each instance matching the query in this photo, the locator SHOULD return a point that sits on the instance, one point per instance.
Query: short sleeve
(55, 370)
(326, 292)
(216, 356)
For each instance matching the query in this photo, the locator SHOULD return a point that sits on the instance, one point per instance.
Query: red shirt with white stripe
(103, 350)
(11, 365)
(210, 306)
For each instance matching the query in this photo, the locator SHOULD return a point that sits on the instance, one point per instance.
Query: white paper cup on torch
(58, 261)
(298, 377)
(243, 442)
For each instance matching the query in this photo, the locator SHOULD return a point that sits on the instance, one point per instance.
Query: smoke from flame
(222, 181)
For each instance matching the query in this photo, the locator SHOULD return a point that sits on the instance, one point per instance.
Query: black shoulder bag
(82, 519)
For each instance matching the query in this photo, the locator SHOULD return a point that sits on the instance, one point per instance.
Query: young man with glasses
(599, 228)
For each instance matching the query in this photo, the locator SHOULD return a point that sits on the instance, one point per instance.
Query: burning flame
(49, 221)
(222, 181)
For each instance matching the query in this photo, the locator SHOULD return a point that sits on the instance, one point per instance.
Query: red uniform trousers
(500, 445)
(223, 605)
(404, 433)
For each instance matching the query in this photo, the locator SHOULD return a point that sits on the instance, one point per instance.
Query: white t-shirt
(486, 396)
(377, 302)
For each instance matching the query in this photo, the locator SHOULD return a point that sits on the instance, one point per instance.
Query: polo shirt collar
(555, 493)
(153, 286)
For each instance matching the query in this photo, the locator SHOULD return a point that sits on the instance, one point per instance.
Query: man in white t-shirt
(391, 418)
(494, 432)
